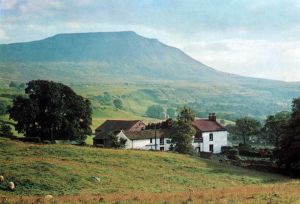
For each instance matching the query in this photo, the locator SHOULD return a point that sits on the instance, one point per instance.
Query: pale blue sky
(259, 38)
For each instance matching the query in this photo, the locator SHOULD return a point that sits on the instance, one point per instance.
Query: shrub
(5, 129)
(225, 149)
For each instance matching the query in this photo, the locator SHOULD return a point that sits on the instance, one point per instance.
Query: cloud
(38, 8)
(249, 37)
(85, 2)
(8, 4)
(3, 35)
(256, 58)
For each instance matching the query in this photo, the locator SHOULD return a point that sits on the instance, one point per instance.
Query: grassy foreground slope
(68, 173)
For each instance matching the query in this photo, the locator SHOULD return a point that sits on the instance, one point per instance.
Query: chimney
(212, 117)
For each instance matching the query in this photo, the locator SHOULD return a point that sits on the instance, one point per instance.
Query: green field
(68, 173)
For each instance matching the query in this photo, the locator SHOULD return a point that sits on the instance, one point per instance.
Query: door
(211, 148)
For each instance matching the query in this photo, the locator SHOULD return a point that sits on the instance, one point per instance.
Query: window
(150, 140)
(161, 140)
(168, 141)
(162, 149)
(211, 137)
(211, 148)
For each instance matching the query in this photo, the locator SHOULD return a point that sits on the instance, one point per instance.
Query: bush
(155, 111)
(118, 103)
(13, 84)
(3, 108)
(225, 149)
(247, 153)
(5, 129)
(233, 154)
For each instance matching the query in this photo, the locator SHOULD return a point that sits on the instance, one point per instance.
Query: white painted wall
(219, 140)
(128, 142)
(145, 144)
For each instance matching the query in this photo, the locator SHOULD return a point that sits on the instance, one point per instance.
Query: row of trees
(282, 130)
(108, 100)
(272, 130)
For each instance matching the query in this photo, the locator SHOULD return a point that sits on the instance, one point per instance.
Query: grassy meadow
(130, 176)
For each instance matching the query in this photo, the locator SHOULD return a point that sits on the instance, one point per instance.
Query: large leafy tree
(290, 144)
(247, 126)
(51, 111)
(184, 131)
(275, 126)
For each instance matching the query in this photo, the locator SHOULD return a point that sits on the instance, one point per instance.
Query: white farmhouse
(210, 135)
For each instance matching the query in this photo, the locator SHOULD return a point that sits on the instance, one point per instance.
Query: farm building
(210, 135)
(116, 127)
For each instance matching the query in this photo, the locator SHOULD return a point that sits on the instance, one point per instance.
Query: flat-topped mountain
(124, 53)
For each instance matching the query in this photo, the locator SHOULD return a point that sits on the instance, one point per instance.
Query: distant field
(130, 176)
(134, 106)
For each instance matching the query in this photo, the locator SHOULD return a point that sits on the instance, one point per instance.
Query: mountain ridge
(62, 48)
(154, 72)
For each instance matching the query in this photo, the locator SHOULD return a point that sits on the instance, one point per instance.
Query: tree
(222, 121)
(3, 108)
(275, 126)
(171, 112)
(289, 153)
(155, 111)
(118, 103)
(51, 111)
(116, 142)
(13, 84)
(184, 132)
(167, 124)
(232, 131)
(22, 86)
(5, 129)
(246, 127)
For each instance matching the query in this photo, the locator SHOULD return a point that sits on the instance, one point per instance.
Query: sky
(257, 38)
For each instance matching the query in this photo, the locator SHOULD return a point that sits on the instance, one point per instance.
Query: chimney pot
(212, 117)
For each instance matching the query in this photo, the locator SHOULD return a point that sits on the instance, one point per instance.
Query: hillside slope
(69, 170)
(107, 54)
(148, 71)
(113, 53)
